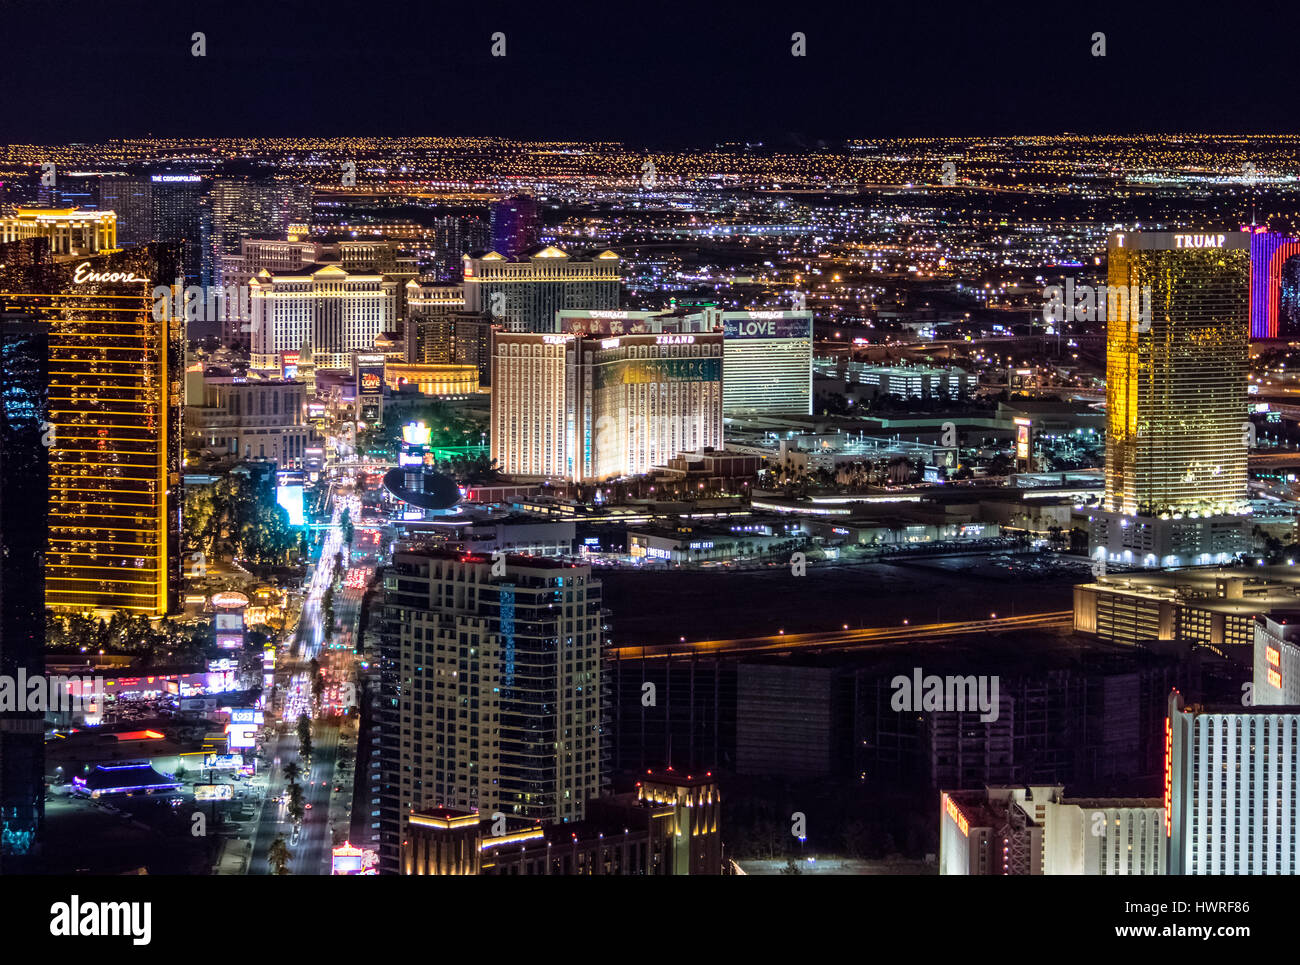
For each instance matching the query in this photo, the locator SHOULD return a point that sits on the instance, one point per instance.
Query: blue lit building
(24, 472)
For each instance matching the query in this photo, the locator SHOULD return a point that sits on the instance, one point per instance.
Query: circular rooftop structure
(422, 488)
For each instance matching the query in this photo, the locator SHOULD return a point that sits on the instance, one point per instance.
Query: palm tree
(296, 810)
(292, 772)
(278, 856)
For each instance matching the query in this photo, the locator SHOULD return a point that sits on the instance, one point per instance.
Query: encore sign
(83, 274)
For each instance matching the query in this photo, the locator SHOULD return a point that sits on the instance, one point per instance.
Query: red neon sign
(1169, 777)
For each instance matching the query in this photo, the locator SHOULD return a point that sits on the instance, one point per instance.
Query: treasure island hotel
(588, 408)
(114, 391)
(1176, 431)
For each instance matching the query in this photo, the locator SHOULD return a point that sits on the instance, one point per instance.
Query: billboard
(242, 731)
(370, 375)
(227, 621)
(290, 496)
(223, 762)
(766, 325)
(289, 364)
(416, 434)
(347, 860)
(642, 371)
(370, 386)
(1022, 438)
(214, 792)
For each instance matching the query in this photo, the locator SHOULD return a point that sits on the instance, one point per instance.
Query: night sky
(654, 74)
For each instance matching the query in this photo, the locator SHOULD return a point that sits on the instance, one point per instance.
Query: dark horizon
(670, 75)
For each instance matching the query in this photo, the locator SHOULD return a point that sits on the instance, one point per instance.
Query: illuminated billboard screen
(230, 641)
(228, 621)
(214, 792)
(416, 434)
(242, 732)
(289, 495)
(370, 375)
(766, 325)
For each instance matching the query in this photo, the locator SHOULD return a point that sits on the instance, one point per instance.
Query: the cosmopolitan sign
(84, 274)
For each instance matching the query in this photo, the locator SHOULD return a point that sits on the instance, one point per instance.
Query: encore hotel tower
(114, 412)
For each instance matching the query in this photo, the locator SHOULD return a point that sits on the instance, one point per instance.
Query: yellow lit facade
(432, 379)
(589, 408)
(1176, 443)
(114, 404)
(68, 230)
(524, 295)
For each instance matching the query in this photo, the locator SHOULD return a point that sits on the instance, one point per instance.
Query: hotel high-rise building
(255, 208)
(237, 208)
(1176, 431)
(1039, 831)
(115, 388)
(668, 826)
(69, 231)
(589, 408)
(333, 310)
(24, 466)
(1270, 253)
(524, 295)
(1277, 659)
(1231, 775)
(237, 271)
(515, 225)
(492, 689)
(131, 199)
(768, 362)
(767, 355)
(167, 207)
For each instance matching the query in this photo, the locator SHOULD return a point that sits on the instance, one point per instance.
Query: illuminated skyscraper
(524, 295)
(334, 310)
(69, 231)
(24, 465)
(166, 207)
(255, 208)
(131, 199)
(1230, 783)
(767, 354)
(1176, 431)
(492, 689)
(1269, 253)
(589, 407)
(516, 226)
(115, 378)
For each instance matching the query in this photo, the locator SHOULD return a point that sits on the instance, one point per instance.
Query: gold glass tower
(1176, 382)
(114, 413)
